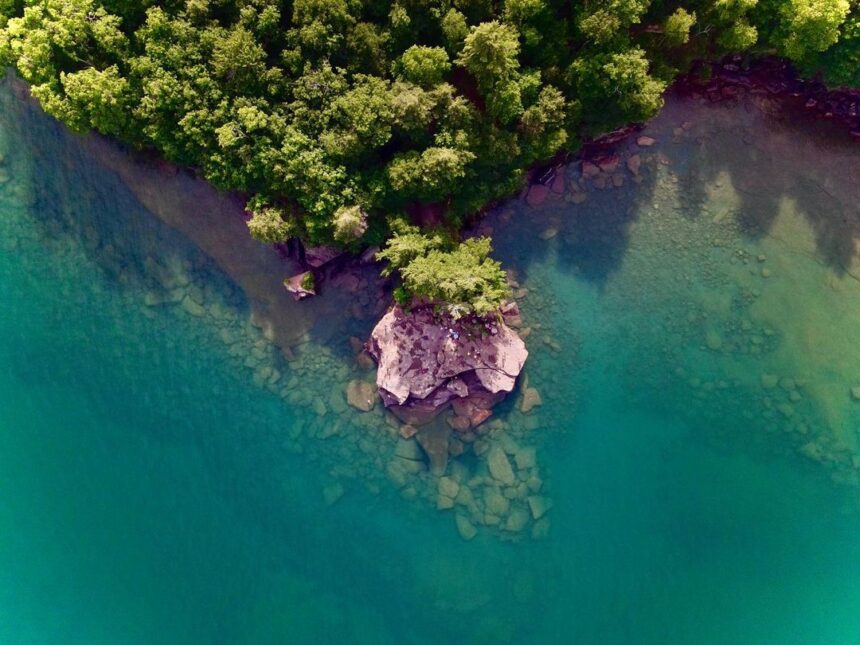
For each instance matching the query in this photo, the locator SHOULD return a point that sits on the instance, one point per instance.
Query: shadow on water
(773, 154)
(768, 155)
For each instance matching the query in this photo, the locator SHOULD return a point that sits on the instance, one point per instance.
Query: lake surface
(174, 469)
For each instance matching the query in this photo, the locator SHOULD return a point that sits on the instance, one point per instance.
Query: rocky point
(428, 361)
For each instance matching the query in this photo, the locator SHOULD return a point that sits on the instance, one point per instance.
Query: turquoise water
(159, 482)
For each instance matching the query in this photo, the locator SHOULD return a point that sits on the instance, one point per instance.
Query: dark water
(692, 337)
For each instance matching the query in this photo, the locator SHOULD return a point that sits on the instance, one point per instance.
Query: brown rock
(537, 194)
(478, 416)
(460, 424)
(589, 170)
(407, 431)
(634, 164)
(557, 185)
(365, 361)
(608, 163)
(645, 141)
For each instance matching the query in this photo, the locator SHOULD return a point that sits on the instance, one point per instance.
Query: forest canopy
(337, 117)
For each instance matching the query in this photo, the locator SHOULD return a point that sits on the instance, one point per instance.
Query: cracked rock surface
(427, 360)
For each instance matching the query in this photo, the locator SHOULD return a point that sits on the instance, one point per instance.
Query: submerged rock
(500, 467)
(465, 528)
(433, 440)
(360, 394)
(426, 361)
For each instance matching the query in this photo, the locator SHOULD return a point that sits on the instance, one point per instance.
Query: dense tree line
(337, 117)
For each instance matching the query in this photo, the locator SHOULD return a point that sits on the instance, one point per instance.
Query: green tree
(810, 25)
(424, 66)
(616, 88)
(464, 280)
(677, 27)
(490, 53)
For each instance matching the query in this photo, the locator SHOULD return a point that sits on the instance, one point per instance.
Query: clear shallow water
(151, 489)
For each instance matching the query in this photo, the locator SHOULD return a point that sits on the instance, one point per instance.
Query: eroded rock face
(426, 362)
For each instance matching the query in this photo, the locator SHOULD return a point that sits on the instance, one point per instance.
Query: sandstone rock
(320, 407)
(465, 528)
(557, 185)
(526, 458)
(433, 439)
(589, 170)
(460, 424)
(531, 399)
(537, 194)
(331, 494)
(407, 431)
(500, 467)
(769, 381)
(634, 164)
(365, 361)
(361, 395)
(192, 307)
(443, 502)
(494, 502)
(448, 487)
(608, 163)
(540, 529)
(713, 340)
(294, 285)
(517, 520)
(645, 141)
(426, 361)
(408, 450)
(316, 256)
(538, 506)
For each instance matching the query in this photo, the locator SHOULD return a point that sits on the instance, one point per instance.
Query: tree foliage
(461, 278)
(314, 107)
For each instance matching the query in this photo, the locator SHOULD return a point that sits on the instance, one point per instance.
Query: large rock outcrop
(427, 361)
